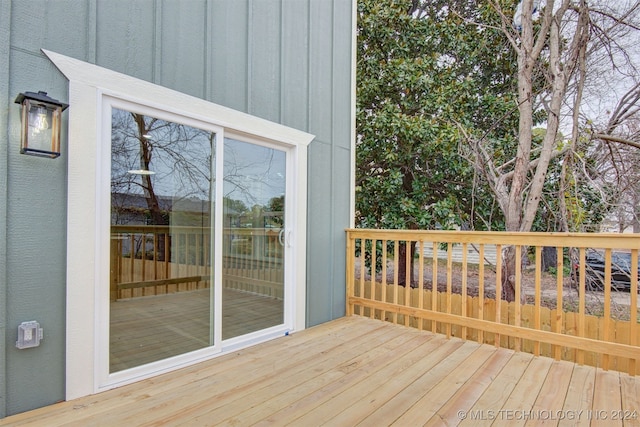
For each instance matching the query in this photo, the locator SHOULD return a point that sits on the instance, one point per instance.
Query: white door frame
(87, 232)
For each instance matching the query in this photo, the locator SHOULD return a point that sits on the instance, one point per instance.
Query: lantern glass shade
(41, 116)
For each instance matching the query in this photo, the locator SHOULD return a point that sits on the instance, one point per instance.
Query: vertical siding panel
(320, 272)
(264, 59)
(341, 141)
(183, 35)
(340, 214)
(209, 42)
(229, 72)
(295, 63)
(341, 84)
(91, 31)
(50, 25)
(5, 25)
(131, 24)
(321, 70)
(156, 42)
(321, 278)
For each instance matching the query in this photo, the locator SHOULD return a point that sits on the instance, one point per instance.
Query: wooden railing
(152, 260)
(554, 313)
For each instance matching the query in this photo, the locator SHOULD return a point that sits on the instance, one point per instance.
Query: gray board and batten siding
(288, 61)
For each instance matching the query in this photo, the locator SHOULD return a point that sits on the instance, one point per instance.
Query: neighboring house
(249, 79)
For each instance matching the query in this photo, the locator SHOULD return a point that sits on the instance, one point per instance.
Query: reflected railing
(153, 260)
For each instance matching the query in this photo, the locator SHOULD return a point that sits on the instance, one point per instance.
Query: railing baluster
(537, 297)
(420, 248)
(557, 350)
(143, 260)
(167, 259)
(633, 310)
(434, 285)
(449, 280)
(363, 249)
(607, 304)
(481, 291)
(374, 261)
(463, 296)
(396, 257)
(132, 257)
(155, 256)
(581, 303)
(383, 315)
(407, 277)
(496, 338)
(518, 294)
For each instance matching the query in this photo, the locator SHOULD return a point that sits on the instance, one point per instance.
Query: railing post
(350, 274)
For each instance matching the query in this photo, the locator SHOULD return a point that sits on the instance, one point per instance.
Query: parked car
(594, 271)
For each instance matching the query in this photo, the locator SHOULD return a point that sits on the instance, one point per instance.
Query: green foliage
(430, 85)
(420, 79)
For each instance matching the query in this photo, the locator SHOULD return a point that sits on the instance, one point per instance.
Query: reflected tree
(158, 166)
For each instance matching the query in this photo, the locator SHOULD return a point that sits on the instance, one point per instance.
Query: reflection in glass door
(254, 238)
(161, 240)
(163, 233)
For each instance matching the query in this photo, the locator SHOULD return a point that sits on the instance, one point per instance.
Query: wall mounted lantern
(40, 132)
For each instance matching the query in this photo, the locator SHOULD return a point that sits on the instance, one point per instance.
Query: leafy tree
(423, 75)
(552, 41)
(449, 98)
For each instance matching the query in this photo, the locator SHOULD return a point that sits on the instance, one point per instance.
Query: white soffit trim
(117, 83)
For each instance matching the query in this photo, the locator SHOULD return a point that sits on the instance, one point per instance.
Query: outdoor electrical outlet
(29, 335)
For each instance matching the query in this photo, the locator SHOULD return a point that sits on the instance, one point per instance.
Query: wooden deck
(358, 371)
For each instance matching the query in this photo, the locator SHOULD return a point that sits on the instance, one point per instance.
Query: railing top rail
(185, 228)
(578, 240)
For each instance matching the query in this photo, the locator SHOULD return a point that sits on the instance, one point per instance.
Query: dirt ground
(620, 301)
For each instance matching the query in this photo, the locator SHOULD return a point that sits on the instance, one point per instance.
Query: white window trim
(86, 260)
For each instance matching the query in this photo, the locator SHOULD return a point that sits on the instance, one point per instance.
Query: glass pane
(161, 239)
(253, 244)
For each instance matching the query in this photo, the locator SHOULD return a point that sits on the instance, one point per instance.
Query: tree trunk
(509, 273)
(549, 258)
(153, 204)
(406, 270)
(520, 208)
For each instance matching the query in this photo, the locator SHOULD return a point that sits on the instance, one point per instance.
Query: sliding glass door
(253, 250)
(161, 239)
(171, 293)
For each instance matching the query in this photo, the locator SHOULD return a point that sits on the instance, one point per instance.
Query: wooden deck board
(358, 371)
(607, 394)
(630, 399)
(498, 391)
(552, 395)
(580, 395)
(526, 392)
